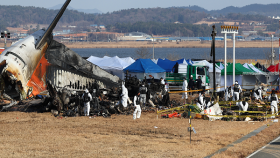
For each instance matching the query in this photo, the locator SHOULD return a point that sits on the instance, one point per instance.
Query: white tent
(94, 59)
(113, 65)
(252, 67)
(211, 75)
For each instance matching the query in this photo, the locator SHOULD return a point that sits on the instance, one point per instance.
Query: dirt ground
(43, 135)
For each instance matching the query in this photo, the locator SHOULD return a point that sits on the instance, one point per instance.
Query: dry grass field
(43, 135)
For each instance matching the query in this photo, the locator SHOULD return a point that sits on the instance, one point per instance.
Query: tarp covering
(239, 69)
(273, 68)
(113, 65)
(189, 61)
(206, 63)
(261, 67)
(145, 67)
(220, 65)
(252, 67)
(167, 65)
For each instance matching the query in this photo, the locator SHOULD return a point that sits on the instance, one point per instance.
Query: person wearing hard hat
(273, 98)
(236, 90)
(191, 84)
(86, 98)
(185, 88)
(137, 111)
(258, 93)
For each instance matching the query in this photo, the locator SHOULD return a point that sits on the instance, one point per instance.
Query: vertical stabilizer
(48, 32)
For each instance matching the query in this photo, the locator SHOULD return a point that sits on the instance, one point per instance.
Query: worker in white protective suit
(201, 101)
(228, 93)
(124, 96)
(185, 88)
(274, 102)
(258, 94)
(243, 105)
(236, 90)
(86, 99)
(136, 102)
(218, 88)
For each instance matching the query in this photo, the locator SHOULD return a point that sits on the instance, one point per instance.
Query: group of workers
(243, 105)
(201, 102)
(190, 86)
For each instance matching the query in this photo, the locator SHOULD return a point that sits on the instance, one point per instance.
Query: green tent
(239, 69)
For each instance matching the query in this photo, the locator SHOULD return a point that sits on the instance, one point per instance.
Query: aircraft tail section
(48, 32)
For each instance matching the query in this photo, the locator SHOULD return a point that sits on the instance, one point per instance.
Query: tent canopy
(167, 65)
(144, 65)
(273, 68)
(261, 67)
(206, 63)
(239, 69)
(252, 67)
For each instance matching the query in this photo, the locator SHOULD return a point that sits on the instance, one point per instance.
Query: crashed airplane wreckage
(27, 65)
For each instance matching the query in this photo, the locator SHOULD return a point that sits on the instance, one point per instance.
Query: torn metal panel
(68, 61)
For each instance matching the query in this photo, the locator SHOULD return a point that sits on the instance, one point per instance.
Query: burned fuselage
(17, 64)
(27, 65)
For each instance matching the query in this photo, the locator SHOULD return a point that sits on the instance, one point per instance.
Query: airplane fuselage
(19, 61)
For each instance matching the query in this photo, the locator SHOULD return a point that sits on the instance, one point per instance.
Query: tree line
(157, 28)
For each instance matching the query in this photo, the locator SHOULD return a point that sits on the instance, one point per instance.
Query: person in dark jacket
(191, 84)
(175, 68)
(198, 83)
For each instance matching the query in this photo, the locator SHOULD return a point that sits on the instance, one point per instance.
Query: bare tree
(143, 53)
(173, 56)
(206, 56)
(268, 56)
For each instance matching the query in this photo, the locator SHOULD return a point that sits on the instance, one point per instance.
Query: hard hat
(86, 90)
(191, 75)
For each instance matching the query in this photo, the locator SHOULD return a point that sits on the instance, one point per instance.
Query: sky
(115, 5)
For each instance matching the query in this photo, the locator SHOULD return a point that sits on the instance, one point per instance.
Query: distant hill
(89, 11)
(19, 15)
(254, 9)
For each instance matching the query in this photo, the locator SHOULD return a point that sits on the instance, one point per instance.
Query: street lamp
(5, 35)
(233, 30)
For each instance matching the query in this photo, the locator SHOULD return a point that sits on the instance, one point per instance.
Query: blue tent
(144, 66)
(167, 65)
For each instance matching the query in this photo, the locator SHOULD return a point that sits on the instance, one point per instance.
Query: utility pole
(279, 55)
(214, 33)
(272, 51)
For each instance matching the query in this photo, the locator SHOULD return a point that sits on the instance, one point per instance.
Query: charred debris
(67, 101)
